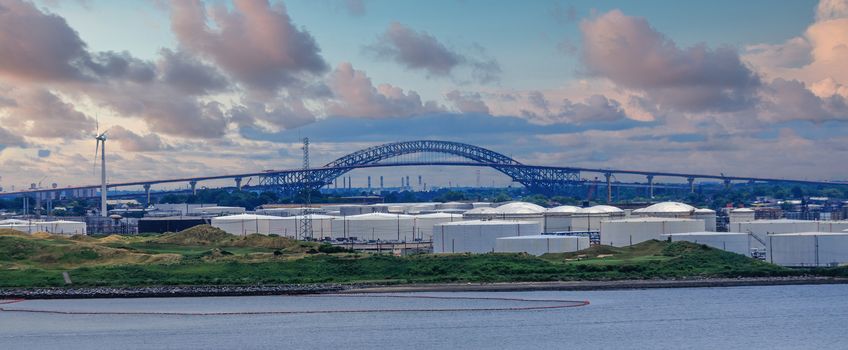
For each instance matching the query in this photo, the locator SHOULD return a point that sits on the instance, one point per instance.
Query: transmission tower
(306, 217)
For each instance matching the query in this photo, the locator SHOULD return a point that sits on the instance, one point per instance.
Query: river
(764, 317)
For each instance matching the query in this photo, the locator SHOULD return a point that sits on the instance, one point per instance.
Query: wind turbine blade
(96, 150)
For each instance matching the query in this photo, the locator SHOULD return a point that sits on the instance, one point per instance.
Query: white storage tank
(522, 211)
(808, 249)
(376, 227)
(734, 242)
(833, 226)
(481, 213)
(424, 223)
(761, 228)
(589, 219)
(625, 232)
(322, 226)
(742, 215)
(245, 224)
(558, 219)
(478, 236)
(666, 210)
(709, 217)
(481, 205)
(541, 244)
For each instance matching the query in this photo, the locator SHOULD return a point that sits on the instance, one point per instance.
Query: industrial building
(625, 232)
(478, 236)
(734, 242)
(806, 249)
(168, 224)
(219, 211)
(541, 244)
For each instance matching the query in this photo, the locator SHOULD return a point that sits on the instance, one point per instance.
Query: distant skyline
(186, 88)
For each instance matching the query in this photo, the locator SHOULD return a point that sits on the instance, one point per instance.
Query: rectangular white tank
(541, 244)
(734, 242)
(424, 223)
(622, 233)
(833, 226)
(478, 236)
(808, 249)
(376, 227)
(558, 223)
(761, 228)
(245, 224)
(61, 227)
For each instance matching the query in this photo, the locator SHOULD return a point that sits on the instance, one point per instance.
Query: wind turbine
(101, 139)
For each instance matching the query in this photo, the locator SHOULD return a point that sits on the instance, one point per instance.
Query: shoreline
(306, 289)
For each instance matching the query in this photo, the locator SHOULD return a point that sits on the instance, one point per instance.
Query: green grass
(205, 256)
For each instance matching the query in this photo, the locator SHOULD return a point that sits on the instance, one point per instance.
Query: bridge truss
(537, 179)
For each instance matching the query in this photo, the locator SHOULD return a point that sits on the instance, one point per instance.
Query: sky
(188, 88)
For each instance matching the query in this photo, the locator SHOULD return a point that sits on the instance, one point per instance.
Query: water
(775, 317)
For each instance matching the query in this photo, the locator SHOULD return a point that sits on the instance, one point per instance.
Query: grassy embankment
(208, 256)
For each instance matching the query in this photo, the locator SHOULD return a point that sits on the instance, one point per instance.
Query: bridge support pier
(146, 195)
(727, 184)
(193, 184)
(691, 181)
(651, 186)
(609, 187)
(238, 183)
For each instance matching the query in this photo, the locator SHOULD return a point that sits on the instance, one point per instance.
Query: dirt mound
(43, 235)
(198, 235)
(11, 232)
(113, 239)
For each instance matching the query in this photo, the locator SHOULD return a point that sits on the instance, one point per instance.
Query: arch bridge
(538, 179)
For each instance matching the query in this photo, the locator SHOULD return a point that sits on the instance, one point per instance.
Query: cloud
(10, 139)
(468, 102)
(792, 100)
(421, 51)
(132, 142)
(38, 46)
(278, 115)
(41, 113)
(632, 54)
(831, 9)
(190, 75)
(255, 43)
(820, 53)
(470, 128)
(356, 96)
(596, 108)
(538, 108)
(355, 7)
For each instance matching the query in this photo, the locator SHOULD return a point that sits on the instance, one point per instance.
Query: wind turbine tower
(101, 146)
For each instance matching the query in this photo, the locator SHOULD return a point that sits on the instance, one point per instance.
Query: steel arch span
(537, 179)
